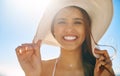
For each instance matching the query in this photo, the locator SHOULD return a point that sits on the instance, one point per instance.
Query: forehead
(68, 12)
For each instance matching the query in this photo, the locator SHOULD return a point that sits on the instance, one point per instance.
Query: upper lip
(70, 35)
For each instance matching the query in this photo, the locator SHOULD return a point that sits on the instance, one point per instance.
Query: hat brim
(100, 12)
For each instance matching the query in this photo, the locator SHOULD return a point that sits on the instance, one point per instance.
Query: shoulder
(47, 67)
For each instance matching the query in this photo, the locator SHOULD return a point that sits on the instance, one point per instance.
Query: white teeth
(70, 37)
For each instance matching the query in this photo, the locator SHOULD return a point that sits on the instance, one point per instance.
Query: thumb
(39, 43)
(37, 46)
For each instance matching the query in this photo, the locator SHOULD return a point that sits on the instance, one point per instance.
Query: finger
(38, 43)
(37, 47)
(26, 44)
(17, 50)
(102, 52)
(28, 47)
(101, 58)
(99, 64)
(108, 63)
(20, 53)
(24, 52)
(20, 50)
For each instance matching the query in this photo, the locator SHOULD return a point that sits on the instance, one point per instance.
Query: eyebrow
(78, 19)
(73, 19)
(61, 19)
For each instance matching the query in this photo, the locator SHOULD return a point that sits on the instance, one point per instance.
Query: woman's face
(69, 28)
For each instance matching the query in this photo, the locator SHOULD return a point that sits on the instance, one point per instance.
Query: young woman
(71, 27)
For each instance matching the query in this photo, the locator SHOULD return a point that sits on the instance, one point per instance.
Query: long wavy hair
(88, 59)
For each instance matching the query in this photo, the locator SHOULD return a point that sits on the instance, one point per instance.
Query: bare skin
(69, 31)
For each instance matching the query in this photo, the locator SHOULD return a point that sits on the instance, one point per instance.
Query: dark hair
(88, 59)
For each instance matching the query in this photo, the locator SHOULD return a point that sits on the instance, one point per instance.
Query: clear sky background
(18, 24)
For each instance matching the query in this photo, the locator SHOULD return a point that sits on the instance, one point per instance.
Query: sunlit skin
(69, 31)
(69, 24)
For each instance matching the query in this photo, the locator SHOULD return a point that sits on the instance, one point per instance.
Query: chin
(71, 48)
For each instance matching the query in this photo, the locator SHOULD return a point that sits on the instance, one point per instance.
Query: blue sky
(18, 24)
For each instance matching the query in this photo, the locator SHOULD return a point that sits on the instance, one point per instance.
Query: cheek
(58, 33)
(58, 30)
(81, 30)
(82, 33)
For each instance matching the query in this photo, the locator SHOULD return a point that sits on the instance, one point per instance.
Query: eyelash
(62, 22)
(77, 23)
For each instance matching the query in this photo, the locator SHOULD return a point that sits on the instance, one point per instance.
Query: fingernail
(26, 48)
(20, 51)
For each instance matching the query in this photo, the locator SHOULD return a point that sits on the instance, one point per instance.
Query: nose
(69, 28)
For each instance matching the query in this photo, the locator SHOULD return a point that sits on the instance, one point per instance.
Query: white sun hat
(100, 12)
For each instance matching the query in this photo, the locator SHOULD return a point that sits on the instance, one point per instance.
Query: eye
(77, 22)
(61, 22)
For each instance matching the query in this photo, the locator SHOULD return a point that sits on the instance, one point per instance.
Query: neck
(71, 59)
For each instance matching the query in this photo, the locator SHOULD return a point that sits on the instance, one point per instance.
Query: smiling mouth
(70, 38)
